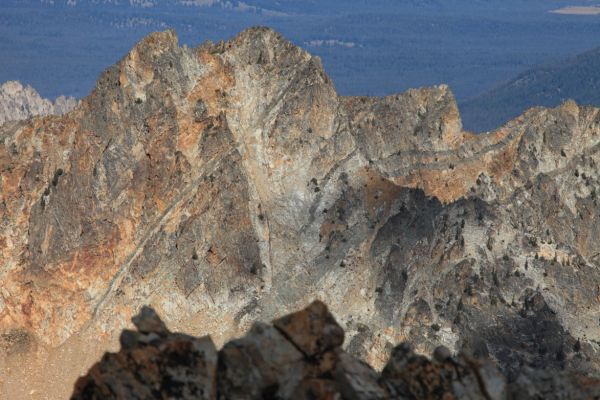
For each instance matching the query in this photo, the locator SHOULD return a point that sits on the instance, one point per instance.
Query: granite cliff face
(229, 183)
(18, 102)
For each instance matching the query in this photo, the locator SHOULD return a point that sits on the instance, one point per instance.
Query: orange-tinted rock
(312, 389)
(408, 375)
(153, 364)
(313, 330)
(230, 183)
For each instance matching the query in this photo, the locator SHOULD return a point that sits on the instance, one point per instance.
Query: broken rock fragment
(300, 357)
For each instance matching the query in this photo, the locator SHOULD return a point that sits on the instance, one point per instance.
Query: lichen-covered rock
(412, 376)
(230, 183)
(153, 364)
(533, 384)
(264, 364)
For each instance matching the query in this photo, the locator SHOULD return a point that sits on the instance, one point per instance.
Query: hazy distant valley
(576, 78)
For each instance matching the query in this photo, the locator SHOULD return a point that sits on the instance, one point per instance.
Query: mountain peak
(18, 102)
(259, 33)
(158, 41)
(230, 183)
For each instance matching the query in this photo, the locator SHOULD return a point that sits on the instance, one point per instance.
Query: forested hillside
(576, 78)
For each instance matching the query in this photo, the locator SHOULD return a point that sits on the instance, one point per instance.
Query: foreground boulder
(154, 363)
(300, 357)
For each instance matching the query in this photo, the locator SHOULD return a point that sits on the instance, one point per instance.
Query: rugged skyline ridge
(230, 183)
(18, 102)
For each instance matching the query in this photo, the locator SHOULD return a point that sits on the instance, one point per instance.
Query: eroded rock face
(270, 363)
(229, 183)
(18, 102)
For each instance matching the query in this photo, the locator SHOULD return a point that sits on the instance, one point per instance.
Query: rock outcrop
(300, 357)
(230, 183)
(18, 102)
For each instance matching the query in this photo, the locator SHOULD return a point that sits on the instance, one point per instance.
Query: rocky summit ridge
(18, 102)
(300, 357)
(229, 183)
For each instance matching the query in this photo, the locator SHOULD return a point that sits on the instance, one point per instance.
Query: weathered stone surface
(357, 380)
(230, 183)
(408, 375)
(544, 384)
(153, 364)
(313, 330)
(265, 364)
(18, 102)
(413, 376)
(261, 364)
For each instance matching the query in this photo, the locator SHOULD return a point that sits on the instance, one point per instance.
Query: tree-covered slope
(576, 78)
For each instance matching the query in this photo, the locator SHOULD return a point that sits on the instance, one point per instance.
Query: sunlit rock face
(18, 102)
(230, 183)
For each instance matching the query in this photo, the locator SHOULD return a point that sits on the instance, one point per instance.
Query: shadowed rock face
(229, 183)
(300, 357)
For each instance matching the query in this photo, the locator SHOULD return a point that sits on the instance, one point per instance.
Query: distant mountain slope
(18, 102)
(576, 78)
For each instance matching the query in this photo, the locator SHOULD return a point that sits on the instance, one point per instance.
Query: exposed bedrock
(229, 183)
(299, 357)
